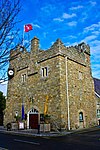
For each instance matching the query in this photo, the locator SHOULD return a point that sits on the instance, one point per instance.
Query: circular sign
(10, 73)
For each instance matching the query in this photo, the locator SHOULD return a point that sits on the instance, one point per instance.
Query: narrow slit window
(23, 77)
(44, 72)
(81, 116)
(80, 75)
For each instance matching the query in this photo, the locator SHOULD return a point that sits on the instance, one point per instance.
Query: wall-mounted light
(16, 113)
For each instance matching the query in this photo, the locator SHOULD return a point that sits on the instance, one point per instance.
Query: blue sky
(73, 21)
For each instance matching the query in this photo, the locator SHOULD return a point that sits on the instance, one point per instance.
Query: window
(80, 75)
(23, 77)
(98, 113)
(81, 116)
(33, 111)
(44, 72)
(41, 117)
(98, 103)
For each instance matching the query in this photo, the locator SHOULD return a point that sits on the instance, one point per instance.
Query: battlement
(76, 53)
(14, 53)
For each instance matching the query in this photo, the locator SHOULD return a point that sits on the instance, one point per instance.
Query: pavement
(33, 132)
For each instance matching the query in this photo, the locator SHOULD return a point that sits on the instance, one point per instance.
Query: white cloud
(67, 44)
(89, 38)
(3, 86)
(2, 82)
(72, 23)
(96, 32)
(95, 54)
(58, 19)
(95, 57)
(93, 3)
(84, 16)
(96, 42)
(36, 26)
(76, 8)
(71, 44)
(67, 16)
(96, 73)
(72, 37)
(95, 51)
(48, 9)
(92, 27)
(95, 69)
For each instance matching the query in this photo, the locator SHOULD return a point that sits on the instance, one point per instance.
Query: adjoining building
(97, 94)
(56, 82)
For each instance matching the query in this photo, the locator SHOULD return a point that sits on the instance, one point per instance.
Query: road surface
(76, 141)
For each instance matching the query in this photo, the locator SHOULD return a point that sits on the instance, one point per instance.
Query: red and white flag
(27, 27)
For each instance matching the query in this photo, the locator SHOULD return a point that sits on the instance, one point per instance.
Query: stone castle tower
(57, 82)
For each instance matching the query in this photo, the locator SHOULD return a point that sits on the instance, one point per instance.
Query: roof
(97, 85)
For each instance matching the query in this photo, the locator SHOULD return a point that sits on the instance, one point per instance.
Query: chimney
(35, 45)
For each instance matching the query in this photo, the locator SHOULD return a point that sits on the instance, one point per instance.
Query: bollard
(9, 127)
(38, 128)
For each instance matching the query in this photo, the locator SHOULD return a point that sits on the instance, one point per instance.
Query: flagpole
(23, 37)
(29, 40)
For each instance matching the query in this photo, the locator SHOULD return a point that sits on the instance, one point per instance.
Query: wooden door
(33, 121)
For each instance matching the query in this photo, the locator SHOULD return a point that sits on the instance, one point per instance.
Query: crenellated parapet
(21, 59)
(58, 45)
(82, 47)
(76, 53)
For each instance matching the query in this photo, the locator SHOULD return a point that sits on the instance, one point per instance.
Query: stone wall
(67, 87)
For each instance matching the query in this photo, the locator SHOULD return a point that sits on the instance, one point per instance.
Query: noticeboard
(21, 125)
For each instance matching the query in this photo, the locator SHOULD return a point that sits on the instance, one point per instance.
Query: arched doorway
(33, 119)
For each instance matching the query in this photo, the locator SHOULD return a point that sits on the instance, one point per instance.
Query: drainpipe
(67, 93)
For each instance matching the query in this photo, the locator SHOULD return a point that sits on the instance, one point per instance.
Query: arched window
(81, 116)
(33, 111)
